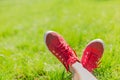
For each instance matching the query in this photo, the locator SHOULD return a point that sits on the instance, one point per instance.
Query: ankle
(73, 68)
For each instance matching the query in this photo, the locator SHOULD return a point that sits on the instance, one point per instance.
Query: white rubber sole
(96, 40)
(45, 35)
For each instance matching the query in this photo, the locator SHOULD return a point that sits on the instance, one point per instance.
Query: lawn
(23, 54)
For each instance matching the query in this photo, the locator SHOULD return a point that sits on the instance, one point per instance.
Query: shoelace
(66, 55)
(63, 53)
(64, 50)
(95, 61)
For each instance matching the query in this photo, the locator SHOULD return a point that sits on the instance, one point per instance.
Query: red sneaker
(58, 46)
(92, 54)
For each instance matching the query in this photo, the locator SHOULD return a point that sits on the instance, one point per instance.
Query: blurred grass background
(23, 55)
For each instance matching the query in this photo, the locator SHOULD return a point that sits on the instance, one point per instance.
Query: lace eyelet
(53, 51)
(56, 54)
(59, 56)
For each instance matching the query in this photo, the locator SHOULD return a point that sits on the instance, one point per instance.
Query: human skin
(80, 73)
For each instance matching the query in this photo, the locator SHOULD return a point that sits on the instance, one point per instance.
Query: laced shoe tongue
(64, 50)
(67, 55)
(95, 61)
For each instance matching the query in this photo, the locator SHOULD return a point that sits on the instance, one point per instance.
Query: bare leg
(80, 73)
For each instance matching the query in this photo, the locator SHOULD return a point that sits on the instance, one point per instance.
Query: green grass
(23, 55)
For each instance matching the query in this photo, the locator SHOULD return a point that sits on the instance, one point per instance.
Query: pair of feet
(67, 56)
